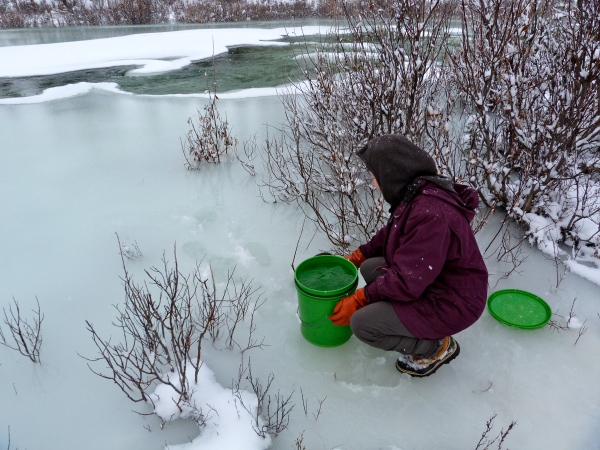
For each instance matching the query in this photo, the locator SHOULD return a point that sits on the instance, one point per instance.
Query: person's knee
(372, 268)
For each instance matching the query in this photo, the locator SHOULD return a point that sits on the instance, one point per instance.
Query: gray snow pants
(378, 324)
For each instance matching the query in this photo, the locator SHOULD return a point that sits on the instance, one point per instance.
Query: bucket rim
(326, 258)
(349, 291)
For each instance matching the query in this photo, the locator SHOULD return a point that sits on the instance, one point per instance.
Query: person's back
(448, 274)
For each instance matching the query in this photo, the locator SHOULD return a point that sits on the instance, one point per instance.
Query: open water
(242, 67)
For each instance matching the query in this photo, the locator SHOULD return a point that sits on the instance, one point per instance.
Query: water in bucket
(326, 277)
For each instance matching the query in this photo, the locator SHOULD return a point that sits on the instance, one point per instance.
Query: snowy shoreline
(73, 90)
(154, 52)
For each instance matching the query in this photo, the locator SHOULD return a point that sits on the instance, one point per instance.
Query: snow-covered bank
(152, 52)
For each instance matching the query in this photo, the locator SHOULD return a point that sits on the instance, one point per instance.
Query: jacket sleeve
(418, 259)
(376, 245)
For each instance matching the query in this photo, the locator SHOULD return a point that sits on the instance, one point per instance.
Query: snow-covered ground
(93, 162)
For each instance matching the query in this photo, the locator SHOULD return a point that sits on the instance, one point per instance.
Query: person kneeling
(425, 276)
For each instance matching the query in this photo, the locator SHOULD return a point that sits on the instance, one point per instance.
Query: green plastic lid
(520, 309)
(326, 275)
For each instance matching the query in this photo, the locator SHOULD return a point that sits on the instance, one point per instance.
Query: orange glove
(347, 306)
(356, 257)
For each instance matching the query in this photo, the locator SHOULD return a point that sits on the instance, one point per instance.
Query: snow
(584, 271)
(575, 323)
(153, 52)
(83, 162)
(227, 425)
(81, 88)
(59, 92)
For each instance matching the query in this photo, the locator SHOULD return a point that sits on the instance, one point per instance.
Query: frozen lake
(76, 170)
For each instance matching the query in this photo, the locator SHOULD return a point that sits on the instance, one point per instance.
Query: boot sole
(431, 370)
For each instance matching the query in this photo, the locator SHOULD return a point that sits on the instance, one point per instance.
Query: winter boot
(416, 366)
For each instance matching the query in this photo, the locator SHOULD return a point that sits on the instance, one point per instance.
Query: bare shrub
(526, 76)
(164, 322)
(25, 338)
(315, 414)
(298, 443)
(209, 137)
(55, 13)
(329, 188)
(12, 19)
(373, 77)
(133, 12)
(237, 11)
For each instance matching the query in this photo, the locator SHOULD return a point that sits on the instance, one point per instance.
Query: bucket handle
(314, 324)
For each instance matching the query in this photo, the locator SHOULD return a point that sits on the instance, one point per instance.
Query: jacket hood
(469, 198)
(395, 162)
(462, 197)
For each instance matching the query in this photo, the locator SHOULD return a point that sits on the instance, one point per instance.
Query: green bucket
(322, 281)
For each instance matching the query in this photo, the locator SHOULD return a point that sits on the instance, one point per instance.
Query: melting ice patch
(243, 255)
(70, 90)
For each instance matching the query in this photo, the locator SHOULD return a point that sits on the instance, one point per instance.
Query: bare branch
(318, 413)
(271, 415)
(26, 337)
(485, 442)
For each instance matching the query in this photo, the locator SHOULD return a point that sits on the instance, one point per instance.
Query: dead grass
(65, 13)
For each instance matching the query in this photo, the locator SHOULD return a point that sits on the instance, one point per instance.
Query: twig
(298, 443)
(485, 442)
(316, 416)
(582, 331)
(490, 384)
(304, 402)
(130, 253)
(298, 243)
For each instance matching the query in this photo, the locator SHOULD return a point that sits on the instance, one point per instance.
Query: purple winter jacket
(435, 277)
